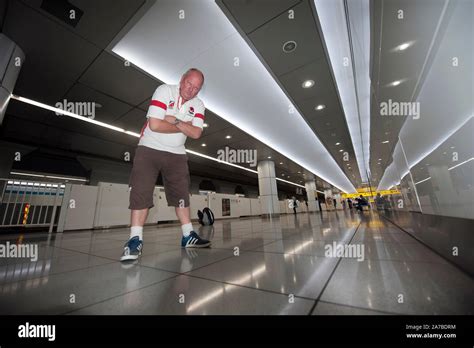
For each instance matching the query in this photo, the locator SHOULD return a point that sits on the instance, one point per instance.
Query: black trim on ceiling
(4, 16)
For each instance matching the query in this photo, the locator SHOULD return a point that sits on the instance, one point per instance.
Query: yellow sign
(368, 194)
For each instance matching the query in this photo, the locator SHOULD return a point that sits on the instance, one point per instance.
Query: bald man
(175, 113)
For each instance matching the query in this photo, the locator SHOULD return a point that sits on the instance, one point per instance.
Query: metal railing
(26, 203)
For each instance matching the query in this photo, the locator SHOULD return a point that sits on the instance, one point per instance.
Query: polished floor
(255, 266)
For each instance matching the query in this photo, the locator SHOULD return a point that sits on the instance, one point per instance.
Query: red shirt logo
(191, 110)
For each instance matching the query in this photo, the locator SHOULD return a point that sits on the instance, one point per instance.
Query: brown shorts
(147, 165)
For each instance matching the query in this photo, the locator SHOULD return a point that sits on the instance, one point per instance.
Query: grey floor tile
(324, 308)
(201, 297)
(301, 275)
(425, 288)
(52, 294)
(185, 259)
(415, 252)
(14, 272)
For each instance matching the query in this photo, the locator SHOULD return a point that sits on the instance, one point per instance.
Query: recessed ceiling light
(308, 84)
(380, 159)
(320, 107)
(403, 46)
(395, 83)
(203, 144)
(338, 144)
(385, 142)
(289, 46)
(228, 136)
(205, 125)
(341, 150)
(452, 147)
(281, 162)
(299, 172)
(269, 157)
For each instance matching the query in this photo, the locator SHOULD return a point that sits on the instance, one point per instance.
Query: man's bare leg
(138, 217)
(183, 215)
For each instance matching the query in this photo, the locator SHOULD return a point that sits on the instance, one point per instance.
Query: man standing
(175, 113)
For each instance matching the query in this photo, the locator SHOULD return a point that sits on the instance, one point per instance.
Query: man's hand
(189, 130)
(170, 119)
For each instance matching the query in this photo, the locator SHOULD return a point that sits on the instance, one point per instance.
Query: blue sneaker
(132, 249)
(194, 241)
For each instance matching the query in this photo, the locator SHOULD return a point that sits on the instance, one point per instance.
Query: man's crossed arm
(167, 126)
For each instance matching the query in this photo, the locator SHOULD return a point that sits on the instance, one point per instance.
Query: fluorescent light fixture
(353, 86)
(228, 136)
(460, 164)
(320, 107)
(341, 150)
(67, 113)
(281, 162)
(49, 176)
(402, 47)
(338, 144)
(203, 144)
(419, 182)
(269, 157)
(395, 83)
(308, 84)
(385, 142)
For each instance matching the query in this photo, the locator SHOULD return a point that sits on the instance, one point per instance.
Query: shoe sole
(197, 246)
(129, 257)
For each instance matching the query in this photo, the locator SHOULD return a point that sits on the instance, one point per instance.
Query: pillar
(311, 195)
(270, 206)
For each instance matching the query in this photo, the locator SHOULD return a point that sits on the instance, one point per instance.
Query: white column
(270, 206)
(311, 195)
(328, 196)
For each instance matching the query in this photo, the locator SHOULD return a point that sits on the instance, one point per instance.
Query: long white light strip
(332, 18)
(67, 113)
(419, 182)
(48, 176)
(106, 125)
(460, 164)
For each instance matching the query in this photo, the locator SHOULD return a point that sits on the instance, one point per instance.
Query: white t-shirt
(167, 101)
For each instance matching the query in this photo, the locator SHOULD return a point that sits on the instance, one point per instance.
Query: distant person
(335, 202)
(175, 113)
(349, 203)
(343, 202)
(295, 204)
(361, 202)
